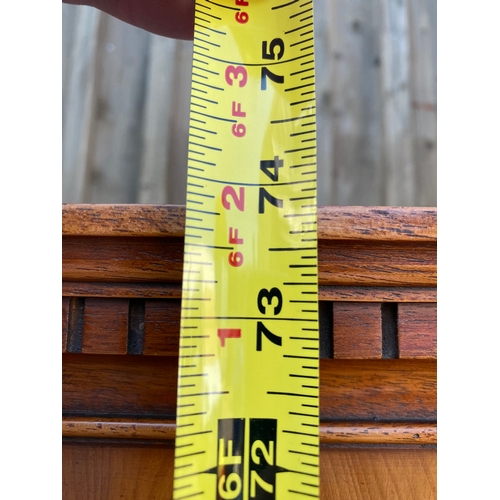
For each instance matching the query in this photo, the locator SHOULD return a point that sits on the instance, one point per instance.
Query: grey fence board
(115, 139)
(80, 43)
(126, 106)
(397, 133)
(160, 93)
(423, 42)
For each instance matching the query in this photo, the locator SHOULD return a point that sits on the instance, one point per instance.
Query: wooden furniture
(122, 272)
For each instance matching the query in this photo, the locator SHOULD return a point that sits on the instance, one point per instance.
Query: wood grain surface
(141, 471)
(123, 220)
(105, 326)
(378, 390)
(392, 433)
(350, 390)
(122, 272)
(334, 223)
(162, 326)
(371, 254)
(417, 325)
(151, 327)
(111, 471)
(357, 330)
(375, 474)
(173, 291)
(154, 260)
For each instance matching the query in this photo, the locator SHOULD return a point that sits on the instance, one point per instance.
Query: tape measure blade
(248, 386)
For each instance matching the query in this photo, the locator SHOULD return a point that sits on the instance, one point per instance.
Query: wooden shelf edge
(396, 224)
(330, 432)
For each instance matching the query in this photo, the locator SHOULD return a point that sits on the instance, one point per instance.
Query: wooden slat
(373, 254)
(417, 331)
(373, 433)
(105, 326)
(396, 224)
(124, 290)
(154, 324)
(155, 260)
(329, 432)
(377, 294)
(378, 474)
(382, 389)
(144, 471)
(123, 428)
(357, 331)
(119, 385)
(123, 220)
(130, 259)
(354, 390)
(162, 325)
(403, 224)
(173, 291)
(376, 264)
(112, 471)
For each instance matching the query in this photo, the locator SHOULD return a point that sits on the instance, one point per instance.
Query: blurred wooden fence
(126, 106)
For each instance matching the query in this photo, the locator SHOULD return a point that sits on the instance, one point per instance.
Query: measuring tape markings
(247, 422)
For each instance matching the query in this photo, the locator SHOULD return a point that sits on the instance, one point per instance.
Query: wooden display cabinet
(122, 273)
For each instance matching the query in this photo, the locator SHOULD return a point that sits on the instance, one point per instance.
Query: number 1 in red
(228, 333)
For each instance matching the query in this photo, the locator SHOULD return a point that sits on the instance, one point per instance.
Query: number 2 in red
(238, 199)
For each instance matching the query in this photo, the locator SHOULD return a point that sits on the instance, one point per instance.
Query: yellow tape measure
(248, 387)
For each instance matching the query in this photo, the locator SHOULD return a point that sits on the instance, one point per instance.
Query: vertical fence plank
(324, 49)
(423, 96)
(397, 140)
(80, 45)
(179, 124)
(356, 114)
(160, 93)
(115, 147)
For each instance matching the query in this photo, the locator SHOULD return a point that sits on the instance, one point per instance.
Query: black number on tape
(261, 329)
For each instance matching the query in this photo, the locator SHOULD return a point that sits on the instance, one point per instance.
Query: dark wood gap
(136, 325)
(390, 345)
(75, 324)
(325, 311)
